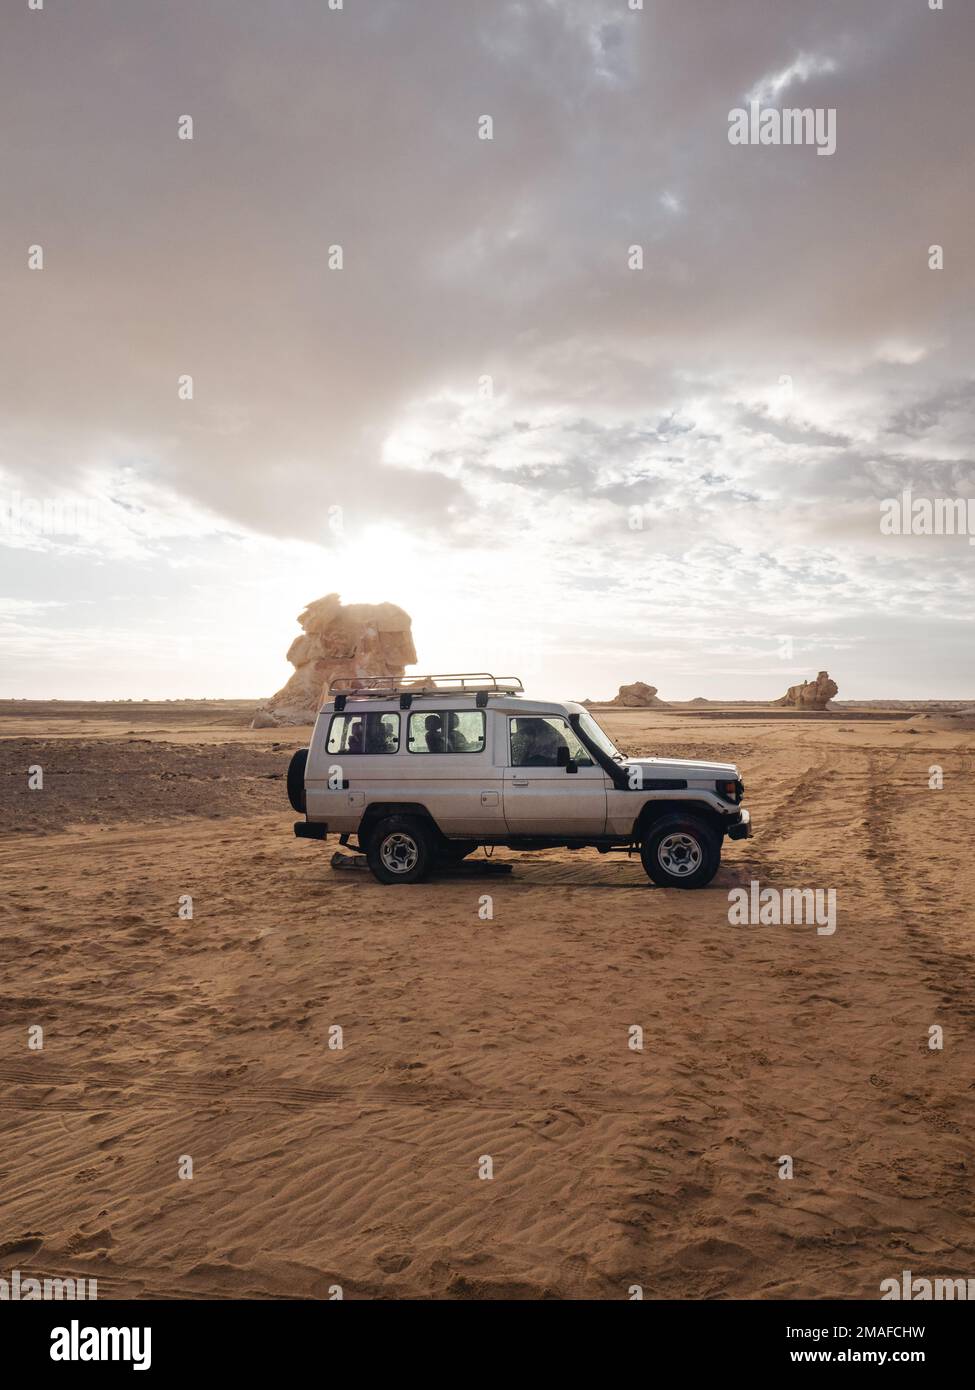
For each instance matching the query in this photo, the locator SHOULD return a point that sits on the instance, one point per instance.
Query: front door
(542, 796)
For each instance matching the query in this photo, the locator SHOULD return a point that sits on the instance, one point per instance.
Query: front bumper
(740, 827)
(309, 830)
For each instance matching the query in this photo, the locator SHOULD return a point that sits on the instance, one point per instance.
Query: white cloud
(774, 85)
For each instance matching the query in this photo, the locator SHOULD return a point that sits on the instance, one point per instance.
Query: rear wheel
(400, 850)
(680, 852)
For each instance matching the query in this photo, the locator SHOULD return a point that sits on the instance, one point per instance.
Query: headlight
(731, 790)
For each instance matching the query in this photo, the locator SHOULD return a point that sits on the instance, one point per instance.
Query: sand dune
(313, 1167)
(960, 721)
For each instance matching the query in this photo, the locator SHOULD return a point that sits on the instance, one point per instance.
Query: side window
(465, 731)
(535, 742)
(447, 731)
(363, 733)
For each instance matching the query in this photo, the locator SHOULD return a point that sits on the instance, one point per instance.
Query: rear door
(542, 796)
(354, 759)
(452, 769)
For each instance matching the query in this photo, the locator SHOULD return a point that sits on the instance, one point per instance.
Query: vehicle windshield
(597, 736)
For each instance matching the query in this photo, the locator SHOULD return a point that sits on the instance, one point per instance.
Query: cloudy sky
(557, 463)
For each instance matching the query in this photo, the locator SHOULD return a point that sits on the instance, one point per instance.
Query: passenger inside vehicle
(381, 733)
(456, 741)
(536, 742)
(433, 726)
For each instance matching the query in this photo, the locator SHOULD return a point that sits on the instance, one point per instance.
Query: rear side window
(363, 733)
(447, 731)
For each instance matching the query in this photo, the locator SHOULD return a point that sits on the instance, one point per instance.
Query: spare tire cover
(296, 780)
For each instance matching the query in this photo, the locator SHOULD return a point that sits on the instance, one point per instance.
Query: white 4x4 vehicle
(423, 771)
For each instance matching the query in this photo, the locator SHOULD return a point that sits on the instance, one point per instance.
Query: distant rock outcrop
(956, 721)
(810, 694)
(263, 720)
(338, 641)
(639, 695)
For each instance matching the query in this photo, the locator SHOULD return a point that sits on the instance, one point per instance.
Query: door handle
(519, 781)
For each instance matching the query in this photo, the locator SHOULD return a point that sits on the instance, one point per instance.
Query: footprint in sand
(393, 1262)
(27, 1244)
(97, 1242)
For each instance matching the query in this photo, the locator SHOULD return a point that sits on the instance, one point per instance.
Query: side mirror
(564, 759)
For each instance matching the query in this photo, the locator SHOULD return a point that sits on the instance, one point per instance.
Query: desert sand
(313, 1167)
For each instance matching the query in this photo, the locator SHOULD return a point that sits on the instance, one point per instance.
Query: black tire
(403, 838)
(296, 780)
(681, 851)
(456, 850)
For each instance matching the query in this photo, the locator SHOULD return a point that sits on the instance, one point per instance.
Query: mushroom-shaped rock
(339, 641)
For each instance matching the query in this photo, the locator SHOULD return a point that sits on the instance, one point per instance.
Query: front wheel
(680, 852)
(400, 850)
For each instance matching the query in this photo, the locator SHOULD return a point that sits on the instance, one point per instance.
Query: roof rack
(410, 688)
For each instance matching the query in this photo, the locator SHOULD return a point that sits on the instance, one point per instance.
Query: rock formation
(638, 696)
(810, 694)
(338, 641)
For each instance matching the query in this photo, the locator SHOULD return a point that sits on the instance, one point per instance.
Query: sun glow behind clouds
(471, 605)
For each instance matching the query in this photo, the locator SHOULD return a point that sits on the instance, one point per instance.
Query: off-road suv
(424, 770)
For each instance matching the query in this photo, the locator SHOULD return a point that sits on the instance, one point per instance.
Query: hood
(689, 768)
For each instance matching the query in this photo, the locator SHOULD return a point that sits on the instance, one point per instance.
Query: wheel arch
(377, 811)
(653, 810)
